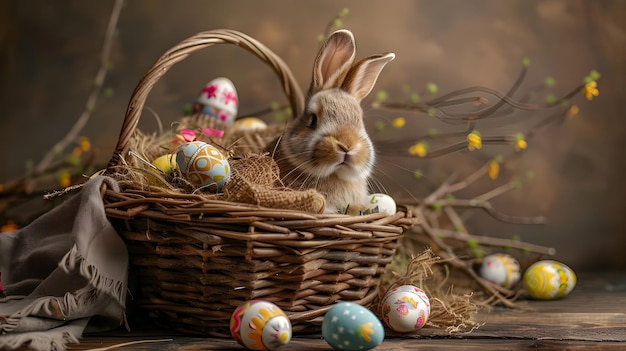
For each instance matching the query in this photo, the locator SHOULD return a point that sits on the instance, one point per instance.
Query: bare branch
(72, 134)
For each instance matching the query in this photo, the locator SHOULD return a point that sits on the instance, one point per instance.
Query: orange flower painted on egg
(365, 330)
(257, 324)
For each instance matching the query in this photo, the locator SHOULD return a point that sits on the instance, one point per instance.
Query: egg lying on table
(349, 326)
(406, 308)
(501, 269)
(379, 203)
(260, 325)
(547, 280)
(249, 124)
(202, 164)
(219, 100)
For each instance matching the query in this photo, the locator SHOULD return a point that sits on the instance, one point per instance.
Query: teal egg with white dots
(351, 327)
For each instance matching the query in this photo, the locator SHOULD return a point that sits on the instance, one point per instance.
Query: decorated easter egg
(501, 269)
(202, 164)
(249, 124)
(260, 325)
(349, 326)
(219, 100)
(379, 203)
(405, 308)
(165, 163)
(547, 280)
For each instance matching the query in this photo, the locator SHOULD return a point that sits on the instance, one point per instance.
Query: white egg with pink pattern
(501, 269)
(219, 100)
(405, 309)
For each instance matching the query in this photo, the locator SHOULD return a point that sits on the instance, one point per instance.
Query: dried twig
(72, 134)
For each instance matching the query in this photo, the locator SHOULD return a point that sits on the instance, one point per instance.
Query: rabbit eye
(312, 121)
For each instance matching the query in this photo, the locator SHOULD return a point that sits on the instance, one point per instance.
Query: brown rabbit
(327, 147)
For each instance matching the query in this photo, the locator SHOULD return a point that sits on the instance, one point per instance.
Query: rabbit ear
(333, 61)
(362, 76)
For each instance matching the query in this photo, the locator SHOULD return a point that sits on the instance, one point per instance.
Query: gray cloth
(64, 274)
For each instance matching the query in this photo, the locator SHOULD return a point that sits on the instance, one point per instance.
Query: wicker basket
(197, 259)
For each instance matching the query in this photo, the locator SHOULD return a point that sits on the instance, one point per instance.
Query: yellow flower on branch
(398, 122)
(572, 111)
(520, 142)
(494, 169)
(591, 89)
(9, 226)
(474, 141)
(64, 179)
(84, 144)
(419, 149)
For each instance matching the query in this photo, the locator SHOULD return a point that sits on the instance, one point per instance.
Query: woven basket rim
(181, 51)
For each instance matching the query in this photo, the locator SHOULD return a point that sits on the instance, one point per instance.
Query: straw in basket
(197, 258)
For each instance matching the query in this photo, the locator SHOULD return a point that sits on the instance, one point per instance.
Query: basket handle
(180, 52)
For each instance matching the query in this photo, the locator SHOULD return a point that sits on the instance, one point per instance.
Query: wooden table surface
(592, 317)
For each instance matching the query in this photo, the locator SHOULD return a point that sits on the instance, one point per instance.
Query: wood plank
(300, 344)
(592, 317)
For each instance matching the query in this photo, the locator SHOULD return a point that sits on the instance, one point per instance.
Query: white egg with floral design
(379, 203)
(260, 325)
(406, 308)
(219, 100)
(501, 269)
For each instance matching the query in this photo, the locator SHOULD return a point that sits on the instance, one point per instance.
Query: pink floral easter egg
(501, 269)
(219, 100)
(406, 309)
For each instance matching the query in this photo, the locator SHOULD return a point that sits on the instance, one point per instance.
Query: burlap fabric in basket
(199, 256)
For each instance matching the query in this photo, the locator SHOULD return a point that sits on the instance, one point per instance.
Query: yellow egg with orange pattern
(202, 164)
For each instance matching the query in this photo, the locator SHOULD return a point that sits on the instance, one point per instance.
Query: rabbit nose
(345, 153)
(343, 147)
(344, 158)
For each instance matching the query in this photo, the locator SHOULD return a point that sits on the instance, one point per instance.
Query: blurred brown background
(50, 52)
